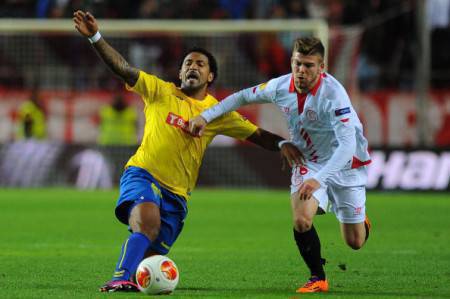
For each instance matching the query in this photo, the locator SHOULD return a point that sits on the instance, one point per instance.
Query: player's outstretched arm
(87, 25)
(289, 152)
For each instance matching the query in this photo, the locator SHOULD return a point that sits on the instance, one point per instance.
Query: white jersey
(322, 124)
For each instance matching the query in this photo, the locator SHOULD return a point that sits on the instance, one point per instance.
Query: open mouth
(192, 75)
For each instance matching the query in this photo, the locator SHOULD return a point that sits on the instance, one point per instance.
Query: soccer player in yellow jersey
(160, 176)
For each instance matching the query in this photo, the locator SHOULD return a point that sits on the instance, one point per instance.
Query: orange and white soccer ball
(157, 274)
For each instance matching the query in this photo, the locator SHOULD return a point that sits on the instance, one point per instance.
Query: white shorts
(347, 203)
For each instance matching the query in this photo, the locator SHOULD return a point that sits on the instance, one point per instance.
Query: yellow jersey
(168, 152)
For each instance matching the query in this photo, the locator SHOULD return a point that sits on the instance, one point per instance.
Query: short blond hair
(309, 46)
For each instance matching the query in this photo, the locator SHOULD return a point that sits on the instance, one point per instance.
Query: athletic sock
(308, 244)
(133, 250)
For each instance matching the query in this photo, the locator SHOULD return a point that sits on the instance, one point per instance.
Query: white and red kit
(324, 126)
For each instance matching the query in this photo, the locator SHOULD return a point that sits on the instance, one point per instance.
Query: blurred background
(65, 120)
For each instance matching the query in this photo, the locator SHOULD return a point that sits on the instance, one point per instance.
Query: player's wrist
(318, 179)
(95, 38)
(284, 141)
(205, 117)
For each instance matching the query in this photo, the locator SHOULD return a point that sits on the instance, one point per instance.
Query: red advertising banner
(389, 117)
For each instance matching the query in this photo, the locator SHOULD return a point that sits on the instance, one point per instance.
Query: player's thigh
(306, 208)
(349, 207)
(349, 203)
(136, 186)
(303, 211)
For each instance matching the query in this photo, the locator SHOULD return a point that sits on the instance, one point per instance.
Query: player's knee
(149, 229)
(355, 243)
(302, 224)
(145, 220)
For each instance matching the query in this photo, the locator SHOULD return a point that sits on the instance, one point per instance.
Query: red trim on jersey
(291, 85)
(301, 97)
(313, 90)
(356, 163)
(344, 120)
(316, 87)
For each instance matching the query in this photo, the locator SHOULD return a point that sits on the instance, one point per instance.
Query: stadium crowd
(388, 46)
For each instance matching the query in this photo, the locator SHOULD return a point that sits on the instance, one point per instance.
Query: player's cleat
(368, 226)
(119, 286)
(314, 285)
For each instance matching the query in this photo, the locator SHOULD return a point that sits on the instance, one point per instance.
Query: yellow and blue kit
(165, 167)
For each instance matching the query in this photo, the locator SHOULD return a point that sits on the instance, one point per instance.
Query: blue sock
(133, 251)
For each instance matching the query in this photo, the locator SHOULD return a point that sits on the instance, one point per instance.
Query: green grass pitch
(58, 243)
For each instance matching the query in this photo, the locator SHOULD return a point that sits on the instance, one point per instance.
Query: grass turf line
(63, 243)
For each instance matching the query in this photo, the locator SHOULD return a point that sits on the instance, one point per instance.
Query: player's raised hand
(85, 23)
(197, 125)
(291, 155)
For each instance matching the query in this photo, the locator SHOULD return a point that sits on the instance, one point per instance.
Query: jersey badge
(311, 115)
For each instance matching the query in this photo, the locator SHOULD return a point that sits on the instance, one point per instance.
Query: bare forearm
(265, 139)
(118, 65)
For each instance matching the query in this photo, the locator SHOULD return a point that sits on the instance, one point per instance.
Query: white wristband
(95, 37)
(280, 144)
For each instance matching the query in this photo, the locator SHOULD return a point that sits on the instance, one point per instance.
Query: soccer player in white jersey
(325, 127)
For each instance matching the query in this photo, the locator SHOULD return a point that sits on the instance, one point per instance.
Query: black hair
(211, 61)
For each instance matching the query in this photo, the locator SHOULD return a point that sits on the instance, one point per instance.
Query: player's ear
(322, 66)
(210, 77)
(179, 75)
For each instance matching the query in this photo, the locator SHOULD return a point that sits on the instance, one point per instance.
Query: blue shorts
(138, 186)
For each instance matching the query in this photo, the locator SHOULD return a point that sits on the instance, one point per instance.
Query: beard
(306, 84)
(192, 88)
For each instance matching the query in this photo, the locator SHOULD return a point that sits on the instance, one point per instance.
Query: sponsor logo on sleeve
(342, 111)
(262, 86)
(259, 87)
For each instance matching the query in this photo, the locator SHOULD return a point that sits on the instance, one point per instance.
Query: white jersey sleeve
(262, 93)
(342, 119)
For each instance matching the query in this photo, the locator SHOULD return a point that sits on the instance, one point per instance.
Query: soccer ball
(157, 274)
